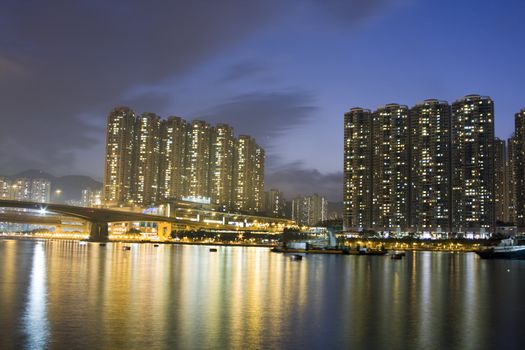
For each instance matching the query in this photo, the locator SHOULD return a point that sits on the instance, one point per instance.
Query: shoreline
(389, 245)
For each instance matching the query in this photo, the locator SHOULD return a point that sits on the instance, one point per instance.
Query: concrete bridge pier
(98, 232)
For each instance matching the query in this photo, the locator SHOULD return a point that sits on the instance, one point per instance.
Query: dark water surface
(63, 295)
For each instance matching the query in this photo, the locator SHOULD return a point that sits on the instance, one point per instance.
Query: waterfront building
(199, 159)
(430, 200)
(519, 166)
(357, 169)
(309, 210)
(119, 156)
(258, 185)
(511, 180)
(473, 164)
(500, 181)
(174, 140)
(5, 185)
(21, 189)
(41, 190)
(248, 186)
(149, 161)
(274, 203)
(146, 159)
(91, 198)
(390, 168)
(221, 165)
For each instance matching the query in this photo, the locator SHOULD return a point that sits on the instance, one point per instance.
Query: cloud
(293, 179)
(264, 115)
(353, 11)
(243, 70)
(81, 57)
(65, 59)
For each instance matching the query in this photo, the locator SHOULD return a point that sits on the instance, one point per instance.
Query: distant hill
(70, 185)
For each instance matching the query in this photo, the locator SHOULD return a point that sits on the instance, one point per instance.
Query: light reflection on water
(35, 323)
(64, 295)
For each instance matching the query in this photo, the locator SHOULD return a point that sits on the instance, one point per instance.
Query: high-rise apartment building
(149, 160)
(5, 188)
(221, 165)
(473, 164)
(390, 168)
(118, 162)
(40, 190)
(91, 198)
(146, 150)
(258, 182)
(511, 180)
(248, 182)
(21, 189)
(199, 159)
(175, 137)
(274, 203)
(433, 169)
(519, 166)
(430, 201)
(309, 210)
(500, 181)
(357, 169)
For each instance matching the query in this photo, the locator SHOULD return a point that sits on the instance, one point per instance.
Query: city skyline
(150, 160)
(433, 168)
(283, 73)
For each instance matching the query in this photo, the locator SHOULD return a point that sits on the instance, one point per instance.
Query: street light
(58, 192)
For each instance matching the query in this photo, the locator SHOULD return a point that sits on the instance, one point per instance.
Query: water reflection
(186, 297)
(36, 325)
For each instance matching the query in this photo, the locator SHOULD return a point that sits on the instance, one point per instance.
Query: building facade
(199, 159)
(118, 163)
(358, 169)
(41, 190)
(501, 202)
(274, 203)
(309, 210)
(22, 189)
(519, 167)
(149, 160)
(145, 172)
(5, 188)
(511, 180)
(221, 165)
(248, 188)
(174, 140)
(390, 168)
(473, 164)
(430, 168)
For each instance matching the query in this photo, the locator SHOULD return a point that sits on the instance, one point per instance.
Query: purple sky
(284, 71)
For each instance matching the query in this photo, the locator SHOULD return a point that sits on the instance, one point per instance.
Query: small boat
(102, 244)
(126, 247)
(509, 248)
(213, 250)
(296, 257)
(155, 245)
(397, 256)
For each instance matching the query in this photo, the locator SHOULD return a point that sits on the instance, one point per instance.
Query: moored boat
(508, 248)
(397, 256)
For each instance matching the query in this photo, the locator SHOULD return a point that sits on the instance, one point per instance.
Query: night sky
(284, 71)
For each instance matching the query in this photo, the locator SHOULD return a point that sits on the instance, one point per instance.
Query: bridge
(98, 218)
